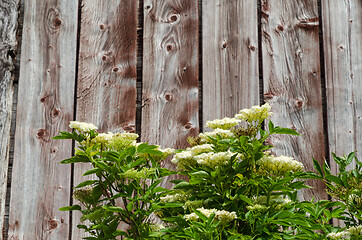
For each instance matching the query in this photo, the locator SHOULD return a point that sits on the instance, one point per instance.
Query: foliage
(235, 188)
(124, 186)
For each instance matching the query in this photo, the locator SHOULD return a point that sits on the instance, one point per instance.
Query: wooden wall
(162, 68)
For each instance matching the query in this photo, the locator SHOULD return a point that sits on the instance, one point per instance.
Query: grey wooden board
(106, 94)
(170, 74)
(342, 39)
(8, 44)
(229, 57)
(40, 185)
(292, 80)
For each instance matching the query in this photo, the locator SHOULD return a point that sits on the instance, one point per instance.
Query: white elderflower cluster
(224, 134)
(220, 215)
(278, 166)
(183, 159)
(214, 160)
(138, 174)
(339, 235)
(103, 138)
(156, 227)
(255, 114)
(257, 208)
(178, 197)
(166, 151)
(204, 148)
(225, 123)
(128, 135)
(82, 126)
(355, 231)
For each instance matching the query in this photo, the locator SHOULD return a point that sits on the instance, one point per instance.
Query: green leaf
(200, 174)
(245, 199)
(92, 171)
(182, 185)
(75, 159)
(334, 179)
(280, 130)
(271, 126)
(318, 167)
(64, 135)
(71, 208)
(86, 183)
(326, 169)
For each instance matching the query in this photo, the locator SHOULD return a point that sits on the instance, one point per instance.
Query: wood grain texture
(170, 73)
(292, 82)
(106, 94)
(8, 43)
(40, 185)
(229, 57)
(342, 38)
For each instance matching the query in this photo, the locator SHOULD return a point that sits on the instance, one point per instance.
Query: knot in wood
(173, 18)
(252, 48)
(115, 69)
(225, 44)
(104, 57)
(280, 28)
(53, 224)
(57, 22)
(188, 125)
(268, 96)
(55, 113)
(43, 99)
(41, 133)
(168, 97)
(169, 48)
(102, 26)
(54, 150)
(299, 103)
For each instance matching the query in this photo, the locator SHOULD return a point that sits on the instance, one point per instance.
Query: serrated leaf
(86, 183)
(334, 179)
(318, 167)
(280, 130)
(71, 208)
(92, 171)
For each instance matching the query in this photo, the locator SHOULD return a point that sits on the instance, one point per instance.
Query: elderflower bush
(232, 173)
(123, 171)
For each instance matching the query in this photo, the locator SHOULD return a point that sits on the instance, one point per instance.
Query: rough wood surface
(170, 73)
(229, 57)
(8, 43)
(342, 38)
(292, 81)
(106, 94)
(40, 185)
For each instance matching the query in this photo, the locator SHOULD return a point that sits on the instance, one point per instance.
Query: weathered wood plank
(8, 43)
(229, 57)
(292, 81)
(342, 38)
(106, 94)
(170, 73)
(46, 103)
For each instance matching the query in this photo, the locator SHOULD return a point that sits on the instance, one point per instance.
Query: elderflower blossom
(217, 132)
(138, 174)
(355, 231)
(255, 113)
(128, 135)
(103, 138)
(156, 227)
(166, 151)
(82, 194)
(204, 148)
(82, 126)
(225, 123)
(183, 159)
(178, 197)
(193, 204)
(220, 215)
(339, 235)
(214, 160)
(278, 166)
(257, 208)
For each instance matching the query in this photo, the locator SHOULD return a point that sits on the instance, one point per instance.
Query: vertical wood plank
(40, 185)
(342, 38)
(8, 43)
(106, 94)
(292, 83)
(170, 73)
(230, 57)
